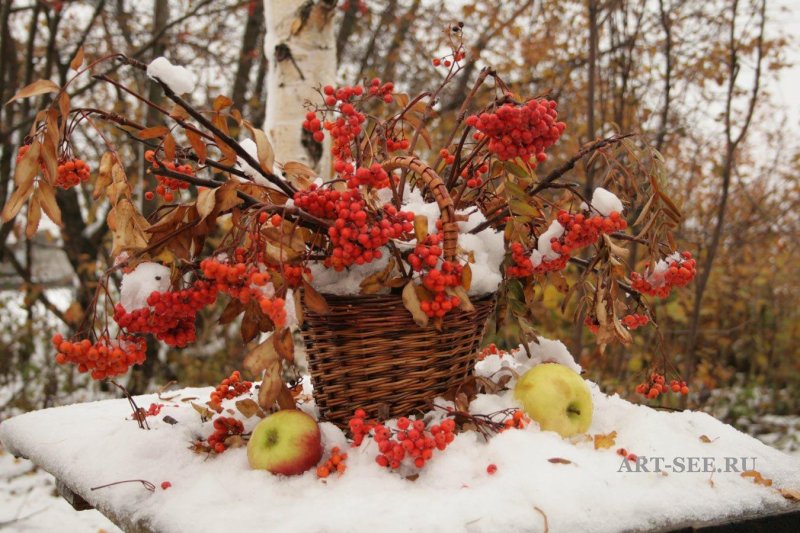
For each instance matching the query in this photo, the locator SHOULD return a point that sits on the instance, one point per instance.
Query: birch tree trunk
(301, 47)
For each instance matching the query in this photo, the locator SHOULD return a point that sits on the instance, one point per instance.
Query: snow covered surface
(181, 80)
(96, 443)
(545, 246)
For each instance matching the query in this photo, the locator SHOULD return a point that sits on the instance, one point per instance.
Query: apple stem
(573, 410)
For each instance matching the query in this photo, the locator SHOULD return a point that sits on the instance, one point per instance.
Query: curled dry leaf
(205, 412)
(758, 479)
(559, 461)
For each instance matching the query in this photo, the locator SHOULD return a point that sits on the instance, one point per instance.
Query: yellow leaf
(602, 442)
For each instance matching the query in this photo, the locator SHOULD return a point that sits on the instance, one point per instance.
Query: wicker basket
(367, 351)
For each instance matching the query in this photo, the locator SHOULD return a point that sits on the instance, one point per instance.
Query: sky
(784, 15)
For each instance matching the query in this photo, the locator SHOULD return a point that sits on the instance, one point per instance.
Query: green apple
(288, 442)
(556, 397)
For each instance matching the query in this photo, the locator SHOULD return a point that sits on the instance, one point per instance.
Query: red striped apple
(287, 442)
(556, 397)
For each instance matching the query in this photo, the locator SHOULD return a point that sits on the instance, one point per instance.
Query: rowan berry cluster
(393, 145)
(154, 409)
(656, 386)
(524, 131)
(293, 274)
(103, 358)
(447, 157)
(355, 238)
(581, 231)
(677, 270)
(448, 60)
(170, 316)
(374, 176)
(411, 442)
(622, 452)
(472, 177)
(224, 427)
(335, 463)
(425, 258)
(522, 265)
(492, 349)
(230, 388)
(345, 129)
(635, 320)
(275, 219)
(246, 283)
(167, 185)
(71, 172)
(517, 420)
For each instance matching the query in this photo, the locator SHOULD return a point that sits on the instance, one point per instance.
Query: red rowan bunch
(103, 358)
(524, 131)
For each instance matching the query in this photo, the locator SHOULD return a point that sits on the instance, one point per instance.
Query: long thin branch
(224, 137)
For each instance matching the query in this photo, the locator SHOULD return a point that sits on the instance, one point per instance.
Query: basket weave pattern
(367, 352)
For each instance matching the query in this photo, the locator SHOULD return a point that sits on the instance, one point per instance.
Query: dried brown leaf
(412, 303)
(314, 301)
(36, 88)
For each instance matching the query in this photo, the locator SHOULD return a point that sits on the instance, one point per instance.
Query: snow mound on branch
(140, 283)
(181, 80)
(544, 245)
(605, 202)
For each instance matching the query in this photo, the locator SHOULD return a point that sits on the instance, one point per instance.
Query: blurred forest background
(698, 79)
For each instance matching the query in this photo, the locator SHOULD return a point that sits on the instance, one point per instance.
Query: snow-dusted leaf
(34, 89)
(266, 155)
(412, 303)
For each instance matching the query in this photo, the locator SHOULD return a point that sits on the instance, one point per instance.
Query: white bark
(312, 45)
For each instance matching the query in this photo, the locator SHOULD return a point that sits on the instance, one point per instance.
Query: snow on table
(91, 444)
